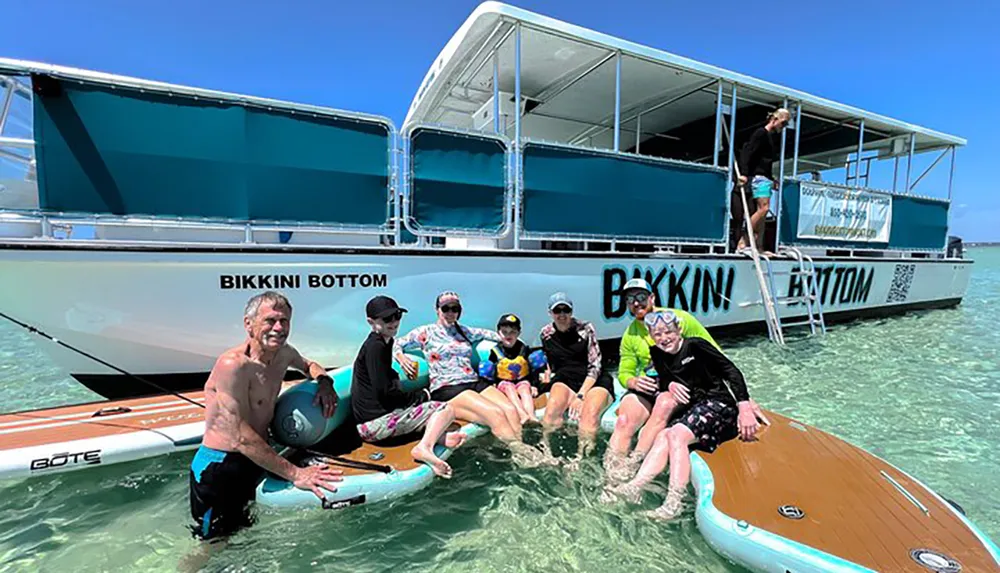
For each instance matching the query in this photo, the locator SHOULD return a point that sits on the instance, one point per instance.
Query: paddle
(356, 464)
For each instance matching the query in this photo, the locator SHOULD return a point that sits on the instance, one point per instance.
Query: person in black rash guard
(382, 408)
(696, 373)
(756, 165)
(576, 382)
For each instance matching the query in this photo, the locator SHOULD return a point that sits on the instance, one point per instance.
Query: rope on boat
(47, 336)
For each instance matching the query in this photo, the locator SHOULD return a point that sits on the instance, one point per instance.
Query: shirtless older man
(239, 397)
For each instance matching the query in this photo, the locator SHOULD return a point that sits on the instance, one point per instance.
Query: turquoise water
(921, 391)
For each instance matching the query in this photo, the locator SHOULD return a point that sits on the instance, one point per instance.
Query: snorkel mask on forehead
(666, 317)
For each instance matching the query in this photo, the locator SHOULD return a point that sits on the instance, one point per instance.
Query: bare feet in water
(620, 469)
(424, 454)
(526, 456)
(672, 507)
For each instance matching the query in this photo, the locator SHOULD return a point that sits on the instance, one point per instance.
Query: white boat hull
(170, 312)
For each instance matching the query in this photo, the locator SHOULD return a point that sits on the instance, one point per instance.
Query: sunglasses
(451, 308)
(562, 309)
(394, 317)
(637, 298)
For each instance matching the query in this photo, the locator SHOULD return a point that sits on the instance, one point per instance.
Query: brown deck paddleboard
(810, 487)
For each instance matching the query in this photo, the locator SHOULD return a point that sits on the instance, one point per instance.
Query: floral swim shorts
(399, 422)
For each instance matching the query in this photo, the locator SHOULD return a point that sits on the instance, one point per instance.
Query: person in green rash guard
(643, 406)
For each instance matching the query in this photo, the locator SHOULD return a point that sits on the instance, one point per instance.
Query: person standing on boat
(382, 408)
(714, 411)
(575, 380)
(756, 167)
(643, 406)
(239, 404)
(450, 349)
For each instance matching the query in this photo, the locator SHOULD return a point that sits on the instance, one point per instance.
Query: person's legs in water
(662, 409)
(653, 465)
(560, 397)
(527, 400)
(679, 439)
(472, 407)
(594, 403)
(632, 414)
(494, 395)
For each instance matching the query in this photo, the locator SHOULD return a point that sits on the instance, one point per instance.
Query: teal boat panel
(596, 193)
(457, 180)
(130, 153)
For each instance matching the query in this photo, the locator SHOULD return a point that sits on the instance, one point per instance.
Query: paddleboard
(70, 438)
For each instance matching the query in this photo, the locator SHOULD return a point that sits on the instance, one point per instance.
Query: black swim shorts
(223, 485)
(604, 380)
(445, 393)
(711, 421)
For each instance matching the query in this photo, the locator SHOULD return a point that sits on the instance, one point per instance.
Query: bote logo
(59, 460)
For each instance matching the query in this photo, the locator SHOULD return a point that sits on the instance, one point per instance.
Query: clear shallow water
(921, 391)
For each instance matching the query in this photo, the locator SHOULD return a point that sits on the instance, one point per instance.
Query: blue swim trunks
(762, 187)
(222, 487)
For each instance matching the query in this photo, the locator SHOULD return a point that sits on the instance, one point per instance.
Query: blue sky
(929, 63)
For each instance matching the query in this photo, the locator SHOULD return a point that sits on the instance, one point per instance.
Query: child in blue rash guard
(509, 366)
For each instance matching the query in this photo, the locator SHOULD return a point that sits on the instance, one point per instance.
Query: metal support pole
(618, 99)
(951, 171)
(781, 178)
(895, 173)
(781, 164)
(861, 145)
(718, 126)
(638, 132)
(909, 161)
(517, 135)
(496, 90)
(928, 170)
(798, 129)
(8, 99)
(732, 130)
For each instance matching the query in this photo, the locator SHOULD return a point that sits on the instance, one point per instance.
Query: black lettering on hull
(836, 285)
(289, 282)
(696, 289)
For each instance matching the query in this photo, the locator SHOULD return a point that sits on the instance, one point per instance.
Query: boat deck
(851, 507)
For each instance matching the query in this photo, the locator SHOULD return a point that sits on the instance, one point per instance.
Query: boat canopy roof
(14, 68)
(567, 76)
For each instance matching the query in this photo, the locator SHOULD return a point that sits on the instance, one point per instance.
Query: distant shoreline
(986, 244)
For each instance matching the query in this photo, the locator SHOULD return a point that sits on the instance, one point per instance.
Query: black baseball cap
(382, 306)
(509, 320)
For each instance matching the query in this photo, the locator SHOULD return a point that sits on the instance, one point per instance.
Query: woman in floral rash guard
(449, 348)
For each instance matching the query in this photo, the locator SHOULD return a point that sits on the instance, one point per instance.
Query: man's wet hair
(276, 299)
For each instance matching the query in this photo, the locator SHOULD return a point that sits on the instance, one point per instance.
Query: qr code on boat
(899, 290)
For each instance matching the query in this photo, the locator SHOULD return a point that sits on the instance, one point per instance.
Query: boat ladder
(805, 269)
(766, 284)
